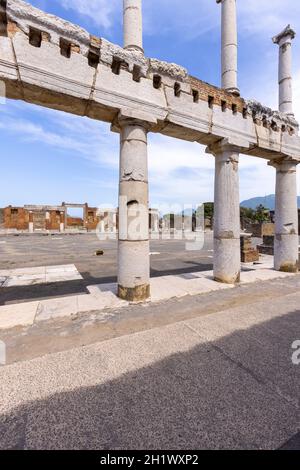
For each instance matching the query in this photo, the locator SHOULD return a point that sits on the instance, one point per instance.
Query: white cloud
(100, 12)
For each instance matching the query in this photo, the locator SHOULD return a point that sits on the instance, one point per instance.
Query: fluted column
(284, 41)
(133, 25)
(229, 46)
(133, 249)
(227, 256)
(286, 251)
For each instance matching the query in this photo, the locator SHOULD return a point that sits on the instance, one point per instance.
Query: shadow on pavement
(240, 391)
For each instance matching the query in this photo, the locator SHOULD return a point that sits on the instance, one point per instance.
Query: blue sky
(49, 157)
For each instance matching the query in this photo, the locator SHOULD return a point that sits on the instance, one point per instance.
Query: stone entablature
(48, 61)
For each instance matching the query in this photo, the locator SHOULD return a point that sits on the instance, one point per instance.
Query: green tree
(262, 214)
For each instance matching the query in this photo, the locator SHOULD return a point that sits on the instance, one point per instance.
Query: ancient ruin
(45, 218)
(50, 62)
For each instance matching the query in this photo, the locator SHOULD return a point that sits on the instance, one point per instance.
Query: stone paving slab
(103, 297)
(202, 383)
(38, 275)
(18, 315)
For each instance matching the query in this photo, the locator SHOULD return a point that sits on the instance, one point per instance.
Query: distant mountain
(266, 201)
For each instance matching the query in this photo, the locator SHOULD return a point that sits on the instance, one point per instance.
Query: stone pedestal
(133, 250)
(229, 46)
(267, 248)
(227, 255)
(248, 253)
(284, 41)
(286, 251)
(133, 25)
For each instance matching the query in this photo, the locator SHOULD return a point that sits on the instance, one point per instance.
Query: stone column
(133, 252)
(62, 222)
(284, 40)
(227, 256)
(102, 226)
(156, 223)
(133, 25)
(286, 251)
(114, 222)
(229, 46)
(30, 227)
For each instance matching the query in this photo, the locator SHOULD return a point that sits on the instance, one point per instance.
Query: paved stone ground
(209, 371)
(214, 381)
(169, 257)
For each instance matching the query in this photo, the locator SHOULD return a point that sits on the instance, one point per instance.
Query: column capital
(222, 146)
(284, 163)
(129, 119)
(287, 35)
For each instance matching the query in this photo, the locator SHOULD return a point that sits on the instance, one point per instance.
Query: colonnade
(133, 252)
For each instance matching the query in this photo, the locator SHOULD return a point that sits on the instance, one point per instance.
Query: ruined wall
(16, 218)
(53, 221)
(92, 219)
(74, 222)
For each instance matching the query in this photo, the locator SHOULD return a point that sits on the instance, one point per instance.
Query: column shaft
(286, 252)
(284, 41)
(133, 25)
(133, 252)
(285, 78)
(227, 256)
(229, 46)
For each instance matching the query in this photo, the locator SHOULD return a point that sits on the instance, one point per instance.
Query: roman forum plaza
(50, 62)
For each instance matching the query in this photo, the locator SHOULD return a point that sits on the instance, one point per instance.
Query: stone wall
(16, 218)
(259, 230)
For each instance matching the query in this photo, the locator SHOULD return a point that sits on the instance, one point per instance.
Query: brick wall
(219, 95)
(53, 223)
(16, 218)
(92, 219)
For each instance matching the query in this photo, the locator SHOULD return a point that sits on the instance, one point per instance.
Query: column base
(233, 91)
(289, 268)
(228, 280)
(134, 294)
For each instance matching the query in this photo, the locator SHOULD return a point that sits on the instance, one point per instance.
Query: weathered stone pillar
(284, 40)
(133, 25)
(133, 252)
(114, 222)
(286, 251)
(229, 46)
(227, 253)
(62, 222)
(156, 223)
(102, 226)
(30, 226)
